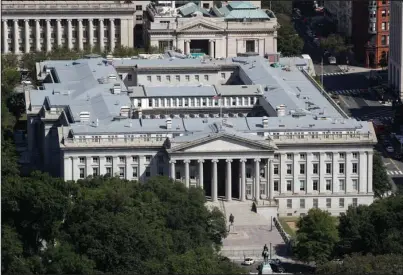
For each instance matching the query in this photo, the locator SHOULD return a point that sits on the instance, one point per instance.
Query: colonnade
(228, 177)
(212, 47)
(61, 27)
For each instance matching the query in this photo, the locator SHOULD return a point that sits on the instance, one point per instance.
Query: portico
(224, 172)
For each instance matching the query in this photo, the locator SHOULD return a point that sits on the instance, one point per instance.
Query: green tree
(380, 179)
(278, 6)
(335, 44)
(373, 229)
(367, 264)
(288, 41)
(317, 236)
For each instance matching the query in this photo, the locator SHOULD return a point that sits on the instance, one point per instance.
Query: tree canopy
(375, 229)
(316, 236)
(380, 180)
(335, 44)
(367, 264)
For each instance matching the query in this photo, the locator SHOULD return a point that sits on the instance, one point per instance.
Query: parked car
(332, 60)
(248, 261)
(389, 149)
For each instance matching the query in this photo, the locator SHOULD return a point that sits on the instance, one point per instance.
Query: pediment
(222, 143)
(199, 26)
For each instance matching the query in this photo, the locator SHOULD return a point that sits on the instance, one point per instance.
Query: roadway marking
(342, 99)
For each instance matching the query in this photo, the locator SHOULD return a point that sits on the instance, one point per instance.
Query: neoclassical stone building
(235, 27)
(240, 128)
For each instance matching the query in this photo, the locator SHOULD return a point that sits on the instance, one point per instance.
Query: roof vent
(280, 110)
(169, 123)
(265, 122)
(116, 88)
(124, 111)
(112, 77)
(84, 116)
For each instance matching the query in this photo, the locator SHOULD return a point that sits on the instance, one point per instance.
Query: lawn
(289, 225)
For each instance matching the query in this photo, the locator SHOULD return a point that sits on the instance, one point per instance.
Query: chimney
(280, 110)
(265, 122)
(169, 123)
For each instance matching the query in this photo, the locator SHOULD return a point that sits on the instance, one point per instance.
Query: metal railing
(104, 142)
(10, 6)
(323, 138)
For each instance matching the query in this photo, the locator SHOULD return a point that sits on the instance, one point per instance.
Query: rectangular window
(121, 172)
(315, 185)
(82, 160)
(197, 77)
(249, 189)
(342, 155)
(223, 75)
(82, 173)
(341, 168)
(168, 78)
(187, 77)
(122, 159)
(329, 155)
(148, 158)
(95, 171)
(177, 175)
(289, 203)
(135, 159)
(355, 155)
(276, 156)
(302, 169)
(302, 185)
(355, 201)
(109, 171)
(328, 185)
(289, 156)
(250, 45)
(262, 189)
(178, 78)
(95, 160)
(383, 12)
(139, 17)
(289, 185)
(149, 78)
(135, 172)
(342, 184)
(328, 168)
(383, 26)
(383, 40)
(302, 203)
(355, 184)
(148, 172)
(355, 168)
(316, 168)
(158, 78)
(329, 203)
(316, 156)
(262, 173)
(139, 7)
(275, 169)
(289, 169)
(302, 156)
(315, 203)
(248, 173)
(206, 77)
(341, 203)
(275, 185)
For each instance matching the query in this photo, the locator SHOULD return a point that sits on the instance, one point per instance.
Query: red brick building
(370, 31)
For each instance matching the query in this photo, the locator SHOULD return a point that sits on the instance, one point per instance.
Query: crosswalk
(335, 73)
(394, 172)
(352, 92)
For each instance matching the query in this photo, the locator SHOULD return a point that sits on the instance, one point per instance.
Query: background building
(235, 27)
(396, 47)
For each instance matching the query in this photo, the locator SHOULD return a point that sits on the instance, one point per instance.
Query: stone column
(370, 172)
(270, 179)
(211, 48)
(214, 195)
(48, 36)
(66, 169)
(173, 172)
(201, 179)
(243, 179)
(69, 34)
(362, 166)
(322, 172)
(26, 33)
(73, 168)
(187, 47)
(88, 170)
(112, 33)
(283, 172)
(257, 179)
(91, 33)
(102, 161)
(349, 182)
(335, 172)
(187, 177)
(37, 35)
(295, 172)
(80, 35)
(59, 32)
(16, 37)
(101, 35)
(5, 36)
(228, 189)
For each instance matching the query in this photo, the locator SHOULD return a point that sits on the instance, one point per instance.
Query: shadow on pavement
(298, 268)
(282, 250)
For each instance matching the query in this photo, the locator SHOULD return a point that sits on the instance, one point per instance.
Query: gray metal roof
(80, 90)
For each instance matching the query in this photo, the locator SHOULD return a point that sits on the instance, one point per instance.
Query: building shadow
(282, 250)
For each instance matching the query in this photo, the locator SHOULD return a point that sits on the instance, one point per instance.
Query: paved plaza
(251, 231)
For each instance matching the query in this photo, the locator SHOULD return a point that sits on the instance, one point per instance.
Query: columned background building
(396, 47)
